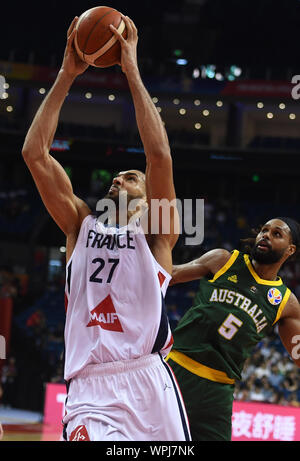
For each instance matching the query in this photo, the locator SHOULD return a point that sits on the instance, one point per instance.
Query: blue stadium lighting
(211, 71)
(181, 62)
(60, 145)
(236, 71)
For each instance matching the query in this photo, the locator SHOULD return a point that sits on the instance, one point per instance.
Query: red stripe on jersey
(161, 278)
(170, 343)
(66, 302)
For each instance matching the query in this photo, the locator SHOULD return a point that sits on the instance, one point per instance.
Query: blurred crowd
(270, 375)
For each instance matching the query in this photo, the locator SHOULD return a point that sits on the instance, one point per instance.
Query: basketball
(95, 43)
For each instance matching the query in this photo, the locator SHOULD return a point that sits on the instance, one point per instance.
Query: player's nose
(118, 180)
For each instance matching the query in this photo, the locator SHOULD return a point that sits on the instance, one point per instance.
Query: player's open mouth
(263, 246)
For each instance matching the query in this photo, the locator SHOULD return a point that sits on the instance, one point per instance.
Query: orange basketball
(95, 43)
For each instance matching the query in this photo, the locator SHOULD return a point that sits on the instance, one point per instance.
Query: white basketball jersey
(114, 298)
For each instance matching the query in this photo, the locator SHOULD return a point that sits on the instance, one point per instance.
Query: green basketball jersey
(231, 313)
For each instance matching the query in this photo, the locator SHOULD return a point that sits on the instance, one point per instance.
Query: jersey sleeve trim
(226, 266)
(282, 305)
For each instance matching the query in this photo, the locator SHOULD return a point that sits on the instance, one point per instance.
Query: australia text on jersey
(222, 295)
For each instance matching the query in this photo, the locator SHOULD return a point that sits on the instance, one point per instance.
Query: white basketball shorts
(133, 400)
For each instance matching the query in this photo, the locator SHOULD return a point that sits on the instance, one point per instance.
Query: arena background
(221, 74)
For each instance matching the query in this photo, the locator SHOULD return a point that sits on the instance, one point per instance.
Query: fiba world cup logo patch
(274, 296)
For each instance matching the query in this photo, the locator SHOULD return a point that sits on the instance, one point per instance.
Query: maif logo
(105, 316)
(79, 434)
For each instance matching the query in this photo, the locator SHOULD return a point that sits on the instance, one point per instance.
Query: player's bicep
(159, 178)
(56, 191)
(209, 263)
(161, 198)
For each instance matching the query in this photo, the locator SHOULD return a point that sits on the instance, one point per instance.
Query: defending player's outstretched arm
(209, 263)
(51, 179)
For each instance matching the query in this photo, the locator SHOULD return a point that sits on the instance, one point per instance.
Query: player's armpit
(209, 263)
(289, 328)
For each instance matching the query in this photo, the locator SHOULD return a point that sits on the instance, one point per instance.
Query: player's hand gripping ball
(94, 41)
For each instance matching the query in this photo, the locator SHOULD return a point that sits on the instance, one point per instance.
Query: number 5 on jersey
(230, 326)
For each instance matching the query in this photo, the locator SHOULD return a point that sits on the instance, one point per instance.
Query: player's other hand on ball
(128, 46)
(72, 64)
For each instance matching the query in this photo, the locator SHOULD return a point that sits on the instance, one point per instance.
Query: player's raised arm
(51, 180)
(209, 263)
(159, 174)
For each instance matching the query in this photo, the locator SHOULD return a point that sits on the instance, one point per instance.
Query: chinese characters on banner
(258, 421)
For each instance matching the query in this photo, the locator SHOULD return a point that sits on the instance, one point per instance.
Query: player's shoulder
(215, 259)
(292, 300)
(292, 306)
(83, 209)
(221, 255)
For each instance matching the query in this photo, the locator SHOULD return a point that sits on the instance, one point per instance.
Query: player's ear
(292, 249)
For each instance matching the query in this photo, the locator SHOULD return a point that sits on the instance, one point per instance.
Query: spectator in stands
(284, 363)
(242, 392)
(251, 364)
(268, 392)
(275, 377)
(290, 383)
(280, 399)
(8, 283)
(8, 379)
(262, 370)
(294, 400)
(256, 393)
(37, 321)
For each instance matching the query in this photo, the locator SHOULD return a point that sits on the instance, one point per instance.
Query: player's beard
(266, 257)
